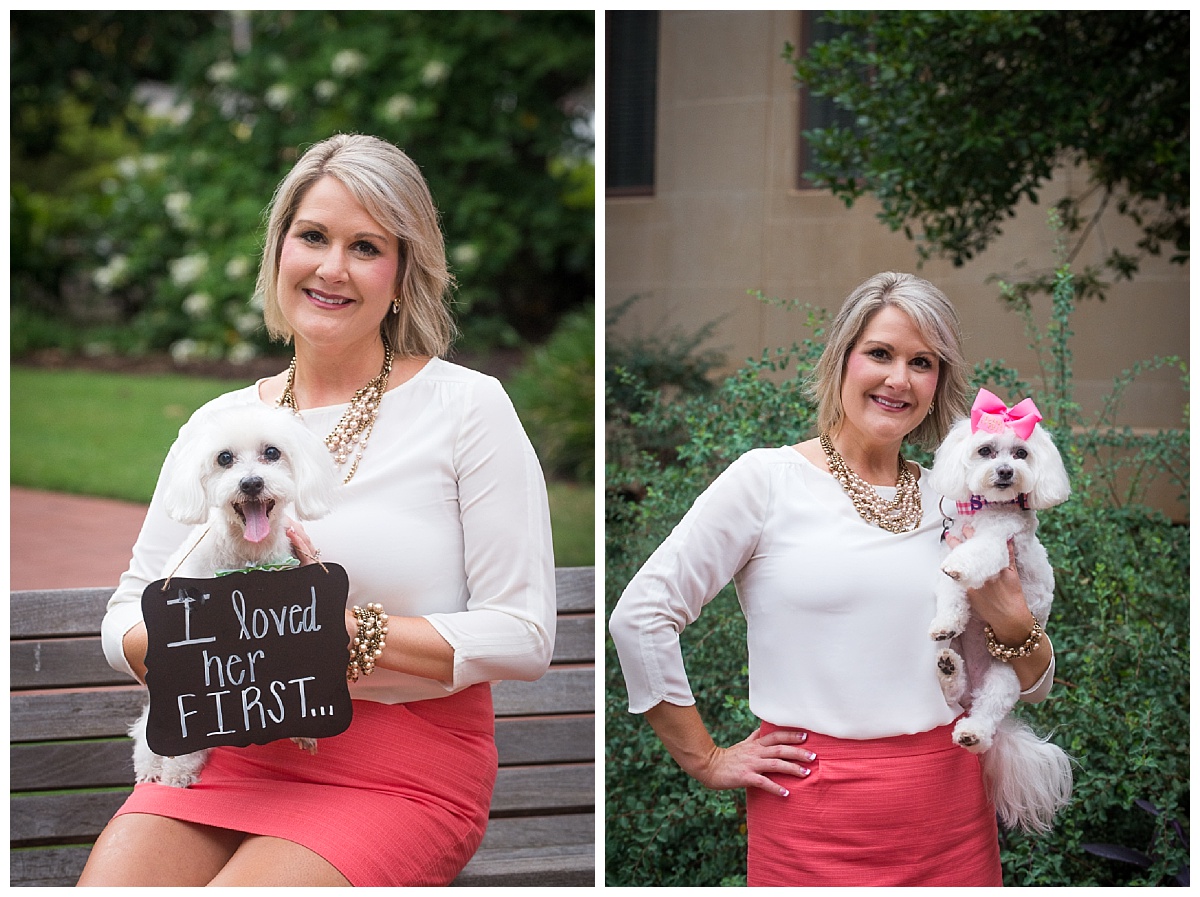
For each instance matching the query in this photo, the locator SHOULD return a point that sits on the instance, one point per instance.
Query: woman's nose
(333, 266)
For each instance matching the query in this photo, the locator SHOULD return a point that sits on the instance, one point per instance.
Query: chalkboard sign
(246, 658)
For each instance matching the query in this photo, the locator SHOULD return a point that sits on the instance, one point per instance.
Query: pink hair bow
(991, 415)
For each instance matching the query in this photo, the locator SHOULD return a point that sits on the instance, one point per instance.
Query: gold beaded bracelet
(368, 643)
(1004, 652)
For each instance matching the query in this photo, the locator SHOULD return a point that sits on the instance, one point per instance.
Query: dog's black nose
(251, 485)
(1004, 474)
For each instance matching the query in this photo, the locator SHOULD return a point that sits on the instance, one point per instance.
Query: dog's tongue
(258, 527)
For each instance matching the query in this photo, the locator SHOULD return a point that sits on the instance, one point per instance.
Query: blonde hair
(936, 321)
(389, 186)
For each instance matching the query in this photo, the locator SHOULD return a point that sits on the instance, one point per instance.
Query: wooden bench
(71, 764)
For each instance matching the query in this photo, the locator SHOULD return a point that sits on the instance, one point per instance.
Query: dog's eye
(271, 453)
(225, 458)
(986, 451)
(1020, 454)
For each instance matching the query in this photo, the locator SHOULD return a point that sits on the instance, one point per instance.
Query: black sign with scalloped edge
(246, 658)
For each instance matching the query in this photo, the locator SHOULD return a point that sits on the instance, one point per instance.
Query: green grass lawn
(104, 434)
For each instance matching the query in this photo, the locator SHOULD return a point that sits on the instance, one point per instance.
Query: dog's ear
(951, 463)
(316, 476)
(183, 489)
(1051, 486)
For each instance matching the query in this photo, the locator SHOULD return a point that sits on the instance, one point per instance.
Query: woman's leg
(138, 849)
(274, 862)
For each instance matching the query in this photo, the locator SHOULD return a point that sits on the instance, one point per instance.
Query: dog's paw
(973, 739)
(306, 744)
(951, 676)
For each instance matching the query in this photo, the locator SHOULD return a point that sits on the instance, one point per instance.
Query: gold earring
(931, 407)
(396, 305)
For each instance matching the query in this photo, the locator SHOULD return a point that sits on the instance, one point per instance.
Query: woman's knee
(139, 849)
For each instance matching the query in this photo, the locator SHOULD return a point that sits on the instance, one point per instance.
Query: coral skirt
(904, 811)
(399, 798)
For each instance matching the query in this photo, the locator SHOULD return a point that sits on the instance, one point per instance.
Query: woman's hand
(302, 546)
(743, 765)
(747, 763)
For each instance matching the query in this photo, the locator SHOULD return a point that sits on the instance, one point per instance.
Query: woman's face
(890, 379)
(337, 269)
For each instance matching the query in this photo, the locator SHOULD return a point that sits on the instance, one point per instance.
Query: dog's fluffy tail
(1027, 777)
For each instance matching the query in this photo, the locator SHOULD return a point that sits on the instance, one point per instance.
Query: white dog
(1000, 467)
(236, 473)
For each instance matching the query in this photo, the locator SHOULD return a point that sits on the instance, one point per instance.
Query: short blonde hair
(936, 321)
(389, 186)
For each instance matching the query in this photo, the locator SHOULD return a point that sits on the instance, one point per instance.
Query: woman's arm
(743, 765)
(1000, 602)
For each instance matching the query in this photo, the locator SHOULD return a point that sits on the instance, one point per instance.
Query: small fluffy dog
(236, 473)
(1001, 467)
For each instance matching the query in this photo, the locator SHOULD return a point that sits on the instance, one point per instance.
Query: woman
(442, 520)
(833, 545)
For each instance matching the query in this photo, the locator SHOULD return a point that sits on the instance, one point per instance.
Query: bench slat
(79, 661)
(44, 766)
(65, 612)
(107, 712)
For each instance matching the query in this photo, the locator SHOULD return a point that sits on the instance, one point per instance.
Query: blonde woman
(852, 777)
(442, 520)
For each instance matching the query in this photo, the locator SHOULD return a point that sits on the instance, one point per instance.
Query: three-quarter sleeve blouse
(837, 610)
(446, 518)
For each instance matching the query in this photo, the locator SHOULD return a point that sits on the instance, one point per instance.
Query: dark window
(631, 81)
(816, 112)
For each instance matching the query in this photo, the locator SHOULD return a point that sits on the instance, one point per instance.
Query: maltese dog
(1000, 467)
(236, 472)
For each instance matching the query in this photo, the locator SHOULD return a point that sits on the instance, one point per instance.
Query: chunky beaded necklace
(901, 515)
(354, 428)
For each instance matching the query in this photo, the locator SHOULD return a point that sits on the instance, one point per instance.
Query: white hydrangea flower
(177, 205)
(242, 352)
(185, 270)
(348, 62)
(197, 305)
(435, 72)
(185, 350)
(398, 107)
(110, 274)
(247, 323)
(221, 72)
(277, 96)
(236, 267)
(464, 254)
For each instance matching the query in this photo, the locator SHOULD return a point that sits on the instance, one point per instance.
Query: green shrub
(555, 395)
(1120, 628)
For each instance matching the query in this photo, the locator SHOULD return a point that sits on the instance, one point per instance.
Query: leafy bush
(1120, 629)
(492, 105)
(555, 394)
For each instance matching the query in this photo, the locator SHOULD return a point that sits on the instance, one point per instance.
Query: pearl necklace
(354, 428)
(901, 515)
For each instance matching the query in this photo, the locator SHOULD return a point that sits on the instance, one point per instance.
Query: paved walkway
(65, 541)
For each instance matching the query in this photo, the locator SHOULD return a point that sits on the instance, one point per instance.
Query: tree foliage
(163, 230)
(958, 116)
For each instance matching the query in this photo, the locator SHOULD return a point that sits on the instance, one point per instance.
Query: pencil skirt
(910, 810)
(400, 798)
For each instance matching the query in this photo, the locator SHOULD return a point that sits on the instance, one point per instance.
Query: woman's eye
(365, 248)
(224, 459)
(271, 453)
(312, 237)
(923, 363)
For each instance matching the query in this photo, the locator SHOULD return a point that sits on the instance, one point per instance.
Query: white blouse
(446, 518)
(837, 610)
